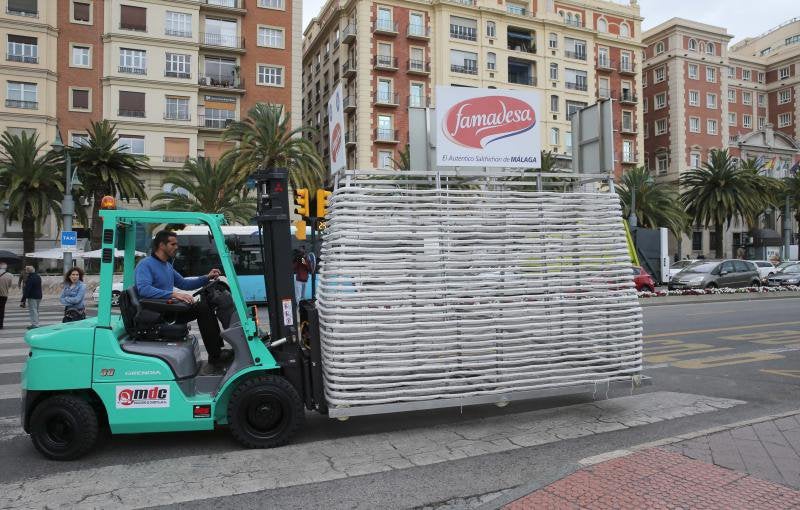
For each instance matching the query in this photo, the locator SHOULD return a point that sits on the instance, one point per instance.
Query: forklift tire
(265, 411)
(64, 427)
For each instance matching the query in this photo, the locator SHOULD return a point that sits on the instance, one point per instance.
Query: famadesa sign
(488, 127)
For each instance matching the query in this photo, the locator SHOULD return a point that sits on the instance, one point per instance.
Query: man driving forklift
(156, 279)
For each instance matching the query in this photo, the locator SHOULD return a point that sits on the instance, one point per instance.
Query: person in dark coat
(32, 295)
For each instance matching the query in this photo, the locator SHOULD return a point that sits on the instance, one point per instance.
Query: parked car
(784, 265)
(789, 275)
(677, 267)
(711, 274)
(643, 280)
(765, 269)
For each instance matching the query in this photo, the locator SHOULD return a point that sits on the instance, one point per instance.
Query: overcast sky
(742, 18)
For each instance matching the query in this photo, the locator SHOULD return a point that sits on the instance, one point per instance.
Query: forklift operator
(156, 279)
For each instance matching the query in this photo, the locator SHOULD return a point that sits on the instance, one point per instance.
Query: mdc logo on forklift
(129, 397)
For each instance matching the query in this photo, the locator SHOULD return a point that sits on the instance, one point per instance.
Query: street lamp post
(67, 204)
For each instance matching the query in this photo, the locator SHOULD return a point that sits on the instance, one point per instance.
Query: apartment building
(700, 95)
(171, 74)
(391, 55)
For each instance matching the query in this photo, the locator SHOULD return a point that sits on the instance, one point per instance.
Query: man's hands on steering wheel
(214, 274)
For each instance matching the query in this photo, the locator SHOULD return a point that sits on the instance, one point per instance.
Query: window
(79, 99)
(697, 241)
(746, 74)
(602, 57)
(604, 87)
(711, 74)
(132, 61)
(762, 100)
(554, 103)
(694, 160)
(491, 61)
(176, 150)
(783, 73)
(731, 95)
(131, 104)
(463, 28)
(465, 62)
(133, 18)
(22, 95)
(693, 73)
(385, 18)
(219, 72)
(178, 24)
(694, 124)
(575, 79)
(711, 127)
(417, 96)
(574, 106)
(554, 136)
(661, 100)
(762, 121)
(659, 48)
(220, 32)
(747, 121)
(131, 144)
(270, 75)
(661, 127)
(694, 98)
(627, 151)
(660, 75)
(575, 48)
(645, 104)
(711, 101)
(731, 72)
(602, 25)
(81, 56)
(662, 164)
(81, 12)
(384, 159)
(79, 139)
(747, 97)
(416, 25)
(627, 121)
(646, 130)
(710, 48)
(270, 37)
(760, 77)
(384, 94)
(554, 71)
(385, 131)
(23, 8)
(693, 44)
(491, 29)
(271, 4)
(177, 108)
(22, 49)
(784, 96)
(731, 118)
(178, 65)
(417, 60)
(624, 31)
(552, 41)
(784, 119)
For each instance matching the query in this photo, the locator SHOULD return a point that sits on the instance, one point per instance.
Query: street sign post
(69, 241)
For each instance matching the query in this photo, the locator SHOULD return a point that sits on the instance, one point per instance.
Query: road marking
(715, 330)
(14, 353)
(786, 373)
(673, 350)
(730, 359)
(785, 337)
(11, 368)
(8, 391)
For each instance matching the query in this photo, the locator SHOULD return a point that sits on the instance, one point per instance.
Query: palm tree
(657, 203)
(31, 183)
(202, 186)
(266, 140)
(105, 168)
(768, 190)
(404, 162)
(718, 192)
(791, 189)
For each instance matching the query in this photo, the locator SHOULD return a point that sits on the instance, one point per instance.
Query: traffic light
(301, 201)
(322, 202)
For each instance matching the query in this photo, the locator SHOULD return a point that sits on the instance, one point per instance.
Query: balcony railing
(419, 66)
(464, 69)
(174, 159)
(349, 103)
(350, 137)
(177, 116)
(18, 12)
(139, 114)
(605, 63)
(419, 101)
(574, 22)
(349, 33)
(386, 26)
(177, 33)
(385, 62)
(132, 70)
(177, 74)
(577, 55)
(627, 67)
(521, 47)
(214, 123)
(523, 80)
(135, 28)
(420, 31)
(470, 3)
(575, 85)
(27, 59)
(220, 81)
(386, 135)
(27, 105)
(518, 10)
(232, 4)
(464, 33)
(387, 98)
(627, 97)
(348, 67)
(221, 40)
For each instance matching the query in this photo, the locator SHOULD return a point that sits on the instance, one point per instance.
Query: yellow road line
(714, 330)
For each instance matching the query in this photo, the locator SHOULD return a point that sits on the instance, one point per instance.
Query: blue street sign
(69, 240)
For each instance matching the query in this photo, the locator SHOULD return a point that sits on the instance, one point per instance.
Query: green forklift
(138, 371)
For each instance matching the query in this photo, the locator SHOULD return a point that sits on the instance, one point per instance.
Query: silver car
(712, 274)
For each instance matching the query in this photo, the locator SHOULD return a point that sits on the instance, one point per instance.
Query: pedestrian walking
(301, 270)
(72, 296)
(6, 281)
(32, 295)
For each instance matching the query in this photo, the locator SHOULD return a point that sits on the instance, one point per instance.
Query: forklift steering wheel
(208, 286)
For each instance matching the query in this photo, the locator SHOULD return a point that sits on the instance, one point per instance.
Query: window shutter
(80, 12)
(80, 99)
(176, 146)
(131, 101)
(27, 6)
(21, 39)
(133, 18)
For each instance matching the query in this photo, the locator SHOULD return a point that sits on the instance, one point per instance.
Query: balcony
(213, 123)
(386, 99)
(137, 114)
(522, 80)
(627, 97)
(385, 62)
(177, 74)
(419, 67)
(231, 6)
(418, 32)
(348, 69)
(605, 64)
(26, 105)
(132, 70)
(464, 69)
(349, 103)
(522, 47)
(469, 3)
(577, 55)
(210, 81)
(626, 67)
(628, 158)
(181, 116)
(26, 59)
(386, 135)
(463, 33)
(349, 33)
(419, 101)
(577, 23)
(177, 33)
(517, 10)
(216, 41)
(350, 138)
(174, 159)
(384, 26)
(579, 85)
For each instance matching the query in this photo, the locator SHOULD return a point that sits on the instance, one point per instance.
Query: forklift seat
(146, 319)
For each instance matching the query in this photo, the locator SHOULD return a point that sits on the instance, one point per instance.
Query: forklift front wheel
(64, 427)
(264, 412)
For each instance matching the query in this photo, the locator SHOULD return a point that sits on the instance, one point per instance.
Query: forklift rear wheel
(265, 412)
(64, 427)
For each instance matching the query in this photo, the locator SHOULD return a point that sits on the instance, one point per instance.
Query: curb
(721, 298)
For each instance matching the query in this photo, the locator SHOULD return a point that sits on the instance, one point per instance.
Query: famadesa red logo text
(477, 122)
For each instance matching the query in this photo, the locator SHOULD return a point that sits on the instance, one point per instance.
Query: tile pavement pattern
(659, 479)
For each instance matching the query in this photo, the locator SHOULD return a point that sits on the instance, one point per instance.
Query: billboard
(336, 129)
(488, 127)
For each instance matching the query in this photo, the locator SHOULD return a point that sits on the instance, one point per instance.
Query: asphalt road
(742, 355)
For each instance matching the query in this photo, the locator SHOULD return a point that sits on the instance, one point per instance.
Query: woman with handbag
(72, 297)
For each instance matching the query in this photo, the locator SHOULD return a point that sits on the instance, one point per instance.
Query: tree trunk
(97, 223)
(719, 228)
(28, 234)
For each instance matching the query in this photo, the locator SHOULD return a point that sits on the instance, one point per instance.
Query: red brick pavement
(659, 479)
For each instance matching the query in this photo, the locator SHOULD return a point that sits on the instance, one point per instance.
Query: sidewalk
(753, 465)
